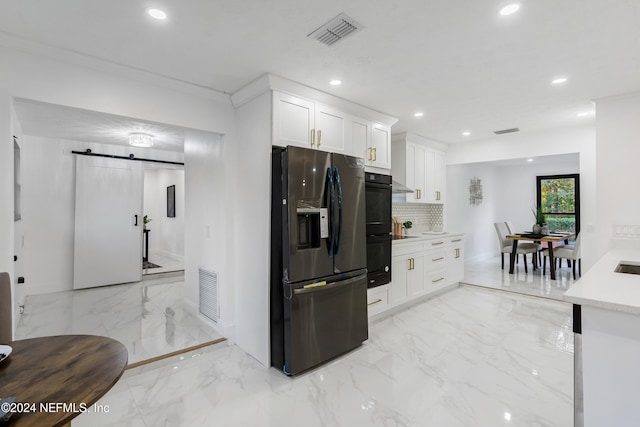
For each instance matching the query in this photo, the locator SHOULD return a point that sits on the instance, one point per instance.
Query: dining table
(549, 238)
(56, 378)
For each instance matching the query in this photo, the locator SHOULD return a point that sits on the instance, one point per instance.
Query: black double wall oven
(379, 227)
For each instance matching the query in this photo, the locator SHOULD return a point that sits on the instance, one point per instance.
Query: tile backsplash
(424, 217)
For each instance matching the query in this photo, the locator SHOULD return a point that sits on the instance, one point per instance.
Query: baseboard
(226, 329)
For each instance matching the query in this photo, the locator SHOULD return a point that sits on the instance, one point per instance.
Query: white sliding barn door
(108, 224)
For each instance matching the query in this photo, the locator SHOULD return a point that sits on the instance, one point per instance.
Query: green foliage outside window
(558, 202)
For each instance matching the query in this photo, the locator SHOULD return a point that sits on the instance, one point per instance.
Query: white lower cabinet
(378, 300)
(419, 269)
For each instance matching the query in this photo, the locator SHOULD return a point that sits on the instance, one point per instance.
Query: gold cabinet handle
(313, 137)
(437, 280)
(370, 154)
(457, 253)
(375, 154)
(411, 264)
(456, 240)
(437, 259)
(438, 195)
(319, 137)
(436, 243)
(417, 196)
(375, 302)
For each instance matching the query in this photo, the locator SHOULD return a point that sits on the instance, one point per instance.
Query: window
(559, 198)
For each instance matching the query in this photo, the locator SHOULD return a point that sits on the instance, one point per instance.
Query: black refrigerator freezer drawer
(323, 322)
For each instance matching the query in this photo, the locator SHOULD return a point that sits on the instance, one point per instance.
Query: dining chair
(568, 252)
(512, 230)
(6, 319)
(506, 245)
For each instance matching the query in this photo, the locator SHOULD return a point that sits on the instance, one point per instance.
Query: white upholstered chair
(506, 245)
(568, 252)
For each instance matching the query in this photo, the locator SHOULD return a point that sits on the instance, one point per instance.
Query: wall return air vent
(337, 29)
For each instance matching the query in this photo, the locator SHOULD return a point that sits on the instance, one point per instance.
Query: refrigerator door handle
(332, 285)
(338, 184)
(332, 198)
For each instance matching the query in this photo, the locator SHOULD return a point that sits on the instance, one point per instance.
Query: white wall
(475, 221)
(579, 140)
(618, 170)
(208, 229)
(166, 235)
(253, 232)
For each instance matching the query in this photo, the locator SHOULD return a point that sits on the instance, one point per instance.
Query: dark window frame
(576, 177)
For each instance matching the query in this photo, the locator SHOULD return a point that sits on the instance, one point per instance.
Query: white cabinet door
(415, 275)
(331, 130)
(381, 146)
(416, 173)
(361, 138)
(436, 170)
(293, 120)
(399, 270)
(108, 222)
(455, 260)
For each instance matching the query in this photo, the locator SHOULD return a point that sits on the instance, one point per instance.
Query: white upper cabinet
(372, 142)
(436, 176)
(380, 146)
(301, 122)
(293, 120)
(420, 164)
(330, 130)
(361, 138)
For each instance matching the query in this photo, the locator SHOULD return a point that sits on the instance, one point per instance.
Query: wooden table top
(556, 237)
(65, 369)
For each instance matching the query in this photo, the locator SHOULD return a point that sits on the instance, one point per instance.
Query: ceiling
(461, 63)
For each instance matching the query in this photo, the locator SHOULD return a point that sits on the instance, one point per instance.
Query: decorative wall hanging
(475, 191)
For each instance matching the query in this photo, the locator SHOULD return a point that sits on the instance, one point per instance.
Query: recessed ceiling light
(558, 80)
(529, 160)
(418, 114)
(584, 113)
(335, 82)
(466, 133)
(509, 9)
(157, 14)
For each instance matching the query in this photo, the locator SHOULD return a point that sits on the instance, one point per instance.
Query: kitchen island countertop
(603, 288)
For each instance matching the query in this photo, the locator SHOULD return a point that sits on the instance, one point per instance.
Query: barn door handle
(136, 218)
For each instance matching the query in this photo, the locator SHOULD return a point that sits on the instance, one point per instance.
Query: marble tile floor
(150, 317)
(470, 357)
(165, 262)
(488, 273)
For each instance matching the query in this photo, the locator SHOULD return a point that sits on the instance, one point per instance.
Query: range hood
(396, 187)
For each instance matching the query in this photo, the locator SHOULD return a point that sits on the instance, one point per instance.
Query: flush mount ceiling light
(558, 81)
(418, 114)
(139, 139)
(467, 133)
(583, 114)
(529, 160)
(509, 9)
(335, 82)
(157, 14)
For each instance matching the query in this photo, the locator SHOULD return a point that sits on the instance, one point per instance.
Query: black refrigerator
(318, 257)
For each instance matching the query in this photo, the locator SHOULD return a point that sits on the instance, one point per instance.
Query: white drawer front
(378, 300)
(436, 260)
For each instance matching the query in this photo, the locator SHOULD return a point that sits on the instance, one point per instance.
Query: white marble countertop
(419, 237)
(602, 287)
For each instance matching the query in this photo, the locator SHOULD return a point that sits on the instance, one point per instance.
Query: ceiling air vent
(503, 131)
(335, 30)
